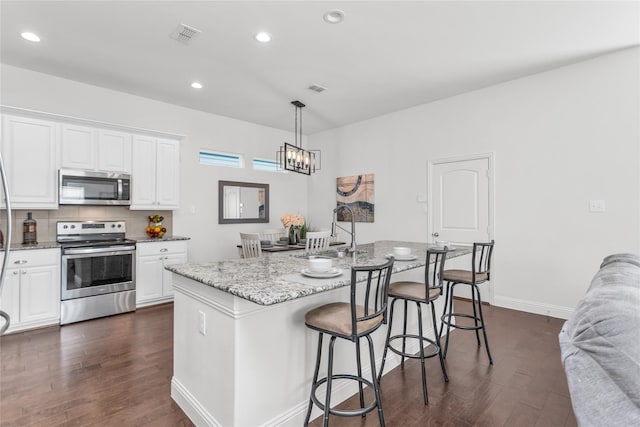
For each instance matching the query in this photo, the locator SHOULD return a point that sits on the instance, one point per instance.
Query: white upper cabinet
(114, 151)
(30, 152)
(94, 149)
(78, 147)
(155, 178)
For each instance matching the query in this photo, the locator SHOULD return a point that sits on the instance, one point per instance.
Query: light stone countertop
(39, 245)
(165, 238)
(276, 277)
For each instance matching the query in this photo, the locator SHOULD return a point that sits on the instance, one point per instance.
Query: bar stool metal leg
(437, 338)
(425, 395)
(475, 313)
(327, 403)
(404, 333)
(359, 367)
(484, 328)
(376, 388)
(315, 378)
(386, 345)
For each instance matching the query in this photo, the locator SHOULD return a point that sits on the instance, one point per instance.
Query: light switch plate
(597, 206)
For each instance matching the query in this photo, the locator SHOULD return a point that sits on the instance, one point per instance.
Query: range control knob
(65, 226)
(119, 225)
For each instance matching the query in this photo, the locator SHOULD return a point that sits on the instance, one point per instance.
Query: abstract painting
(357, 193)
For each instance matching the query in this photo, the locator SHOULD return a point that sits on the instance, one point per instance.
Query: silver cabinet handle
(21, 261)
(436, 234)
(15, 273)
(164, 250)
(24, 272)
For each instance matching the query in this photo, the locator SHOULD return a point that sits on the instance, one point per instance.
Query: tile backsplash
(136, 221)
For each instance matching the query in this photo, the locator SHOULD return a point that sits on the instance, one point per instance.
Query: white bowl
(442, 243)
(400, 251)
(320, 265)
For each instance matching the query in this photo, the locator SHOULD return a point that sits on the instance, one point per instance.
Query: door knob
(436, 234)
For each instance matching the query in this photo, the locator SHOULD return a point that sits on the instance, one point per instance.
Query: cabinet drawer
(33, 258)
(156, 248)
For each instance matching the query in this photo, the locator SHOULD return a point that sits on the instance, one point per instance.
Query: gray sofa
(600, 346)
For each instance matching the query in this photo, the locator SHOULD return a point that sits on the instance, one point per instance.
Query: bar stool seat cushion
(335, 318)
(411, 290)
(462, 276)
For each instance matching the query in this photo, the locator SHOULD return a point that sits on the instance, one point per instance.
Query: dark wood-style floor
(117, 371)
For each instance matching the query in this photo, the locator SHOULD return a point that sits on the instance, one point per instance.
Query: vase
(294, 236)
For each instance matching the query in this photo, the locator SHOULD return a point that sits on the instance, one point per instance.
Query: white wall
(198, 214)
(560, 138)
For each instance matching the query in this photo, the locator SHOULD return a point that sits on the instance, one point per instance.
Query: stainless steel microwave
(78, 187)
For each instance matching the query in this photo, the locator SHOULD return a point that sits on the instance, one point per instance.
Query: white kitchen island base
(253, 365)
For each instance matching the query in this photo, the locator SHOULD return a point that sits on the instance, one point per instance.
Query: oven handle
(104, 251)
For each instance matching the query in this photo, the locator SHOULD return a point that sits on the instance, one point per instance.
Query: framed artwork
(356, 192)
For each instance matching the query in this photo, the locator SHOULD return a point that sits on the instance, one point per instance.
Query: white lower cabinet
(153, 282)
(31, 292)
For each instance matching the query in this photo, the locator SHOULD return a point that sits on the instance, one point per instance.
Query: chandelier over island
(294, 158)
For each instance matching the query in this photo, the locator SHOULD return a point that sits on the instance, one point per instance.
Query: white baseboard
(190, 405)
(533, 307)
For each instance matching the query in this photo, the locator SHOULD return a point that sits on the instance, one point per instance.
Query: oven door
(97, 271)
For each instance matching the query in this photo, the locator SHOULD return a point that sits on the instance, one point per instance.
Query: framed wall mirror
(242, 202)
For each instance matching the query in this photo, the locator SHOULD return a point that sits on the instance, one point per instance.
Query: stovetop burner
(92, 233)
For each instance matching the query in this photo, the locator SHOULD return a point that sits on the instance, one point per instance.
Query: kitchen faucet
(353, 225)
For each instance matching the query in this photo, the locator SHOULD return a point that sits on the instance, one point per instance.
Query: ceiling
(385, 56)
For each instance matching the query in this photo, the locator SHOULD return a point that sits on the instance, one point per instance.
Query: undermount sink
(329, 253)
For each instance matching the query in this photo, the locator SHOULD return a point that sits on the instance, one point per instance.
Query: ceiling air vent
(184, 33)
(317, 88)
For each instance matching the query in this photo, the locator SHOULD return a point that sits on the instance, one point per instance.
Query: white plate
(334, 272)
(403, 258)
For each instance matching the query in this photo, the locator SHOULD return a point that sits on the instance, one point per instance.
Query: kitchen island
(242, 353)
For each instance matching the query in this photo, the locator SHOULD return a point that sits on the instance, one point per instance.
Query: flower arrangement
(292, 220)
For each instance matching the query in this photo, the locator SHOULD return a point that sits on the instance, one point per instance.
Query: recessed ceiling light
(263, 37)
(334, 16)
(30, 36)
(196, 85)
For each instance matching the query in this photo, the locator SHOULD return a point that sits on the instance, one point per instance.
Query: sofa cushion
(600, 346)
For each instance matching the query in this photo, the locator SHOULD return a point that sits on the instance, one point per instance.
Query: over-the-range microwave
(78, 187)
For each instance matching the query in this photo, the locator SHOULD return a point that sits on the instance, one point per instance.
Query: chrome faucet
(334, 225)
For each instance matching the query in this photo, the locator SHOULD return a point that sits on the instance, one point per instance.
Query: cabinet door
(148, 278)
(39, 294)
(10, 300)
(143, 179)
(168, 174)
(29, 149)
(167, 281)
(114, 151)
(78, 147)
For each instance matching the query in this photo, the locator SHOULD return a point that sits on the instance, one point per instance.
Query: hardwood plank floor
(117, 371)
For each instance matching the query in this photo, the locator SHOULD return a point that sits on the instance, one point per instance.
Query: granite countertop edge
(147, 239)
(275, 277)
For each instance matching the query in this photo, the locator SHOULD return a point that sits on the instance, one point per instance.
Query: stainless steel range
(98, 270)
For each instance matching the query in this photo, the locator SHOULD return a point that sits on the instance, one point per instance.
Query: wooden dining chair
(273, 234)
(250, 245)
(317, 240)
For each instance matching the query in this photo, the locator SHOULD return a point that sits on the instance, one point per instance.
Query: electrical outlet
(597, 206)
(202, 323)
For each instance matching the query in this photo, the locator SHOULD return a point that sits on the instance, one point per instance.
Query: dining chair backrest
(434, 267)
(317, 240)
(250, 245)
(273, 234)
(369, 299)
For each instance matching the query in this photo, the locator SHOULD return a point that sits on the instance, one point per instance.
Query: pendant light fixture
(292, 157)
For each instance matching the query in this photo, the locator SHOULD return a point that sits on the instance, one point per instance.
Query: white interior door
(460, 199)
(461, 207)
